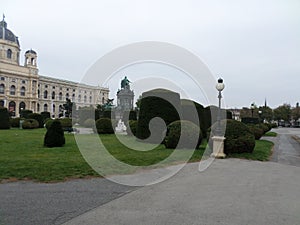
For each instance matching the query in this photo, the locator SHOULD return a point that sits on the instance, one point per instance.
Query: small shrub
(4, 118)
(55, 135)
(38, 117)
(264, 127)
(15, 122)
(89, 123)
(105, 126)
(256, 131)
(66, 123)
(30, 124)
(238, 136)
(48, 123)
(131, 127)
(189, 133)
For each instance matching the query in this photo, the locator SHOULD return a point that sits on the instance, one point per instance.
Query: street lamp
(252, 108)
(220, 87)
(218, 139)
(259, 114)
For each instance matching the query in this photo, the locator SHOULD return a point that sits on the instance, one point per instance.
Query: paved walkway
(286, 149)
(230, 191)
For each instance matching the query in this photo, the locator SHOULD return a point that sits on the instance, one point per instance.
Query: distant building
(21, 87)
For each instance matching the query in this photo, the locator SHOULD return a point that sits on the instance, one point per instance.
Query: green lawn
(23, 156)
(270, 134)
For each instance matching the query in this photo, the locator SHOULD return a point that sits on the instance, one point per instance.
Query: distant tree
(266, 113)
(138, 102)
(296, 112)
(283, 112)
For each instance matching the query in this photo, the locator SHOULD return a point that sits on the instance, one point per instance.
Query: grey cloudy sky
(253, 45)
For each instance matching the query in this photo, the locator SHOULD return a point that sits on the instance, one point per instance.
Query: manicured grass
(23, 156)
(270, 134)
(262, 151)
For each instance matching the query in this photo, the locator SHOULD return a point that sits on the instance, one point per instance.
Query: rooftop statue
(125, 83)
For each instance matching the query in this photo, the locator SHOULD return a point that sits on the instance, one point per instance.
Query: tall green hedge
(160, 103)
(4, 118)
(25, 113)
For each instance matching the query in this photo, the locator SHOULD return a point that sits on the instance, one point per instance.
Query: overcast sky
(253, 45)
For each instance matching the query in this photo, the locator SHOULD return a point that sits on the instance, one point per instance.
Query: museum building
(21, 87)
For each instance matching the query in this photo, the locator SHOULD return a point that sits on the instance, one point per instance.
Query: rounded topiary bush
(131, 127)
(38, 117)
(256, 131)
(238, 136)
(4, 118)
(105, 126)
(66, 123)
(183, 134)
(55, 135)
(48, 123)
(89, 123)
(15, 122)
(30, 124)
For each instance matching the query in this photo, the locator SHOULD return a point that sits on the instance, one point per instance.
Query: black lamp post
(252, 108)
(220, 87)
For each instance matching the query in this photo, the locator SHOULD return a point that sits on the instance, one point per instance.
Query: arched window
(12, 108)
(67, 96)
(84, 99)
(38, 107)
(22, 91)
(2, 88)
(73, 97)
(39, 94)
(90, 99)
(53, 108)
(45, 94)
(9, 54)
(12, 90)
(22, 106)
(2, 103)
(60, 96)
(53, 95)
(45, 108)
(103, 100)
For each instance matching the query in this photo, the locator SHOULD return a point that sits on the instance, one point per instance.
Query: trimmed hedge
(131, 127)
(45, 115)
(55, 135)
(89, 123)
(250, 120)
(25, 113)
(30, 124)
(189, 133)
(38, 117)
(157, 103)
(256, 131)
(238, 136)
(15, 122)
(4, 118)
(105, 126)
(129, 115)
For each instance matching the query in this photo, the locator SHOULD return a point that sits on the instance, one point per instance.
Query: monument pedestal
(218, 147)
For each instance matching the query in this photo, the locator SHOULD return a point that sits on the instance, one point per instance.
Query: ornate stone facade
(21, 87)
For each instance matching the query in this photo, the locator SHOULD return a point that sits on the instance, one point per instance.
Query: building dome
(30, 51)
(6, 34)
